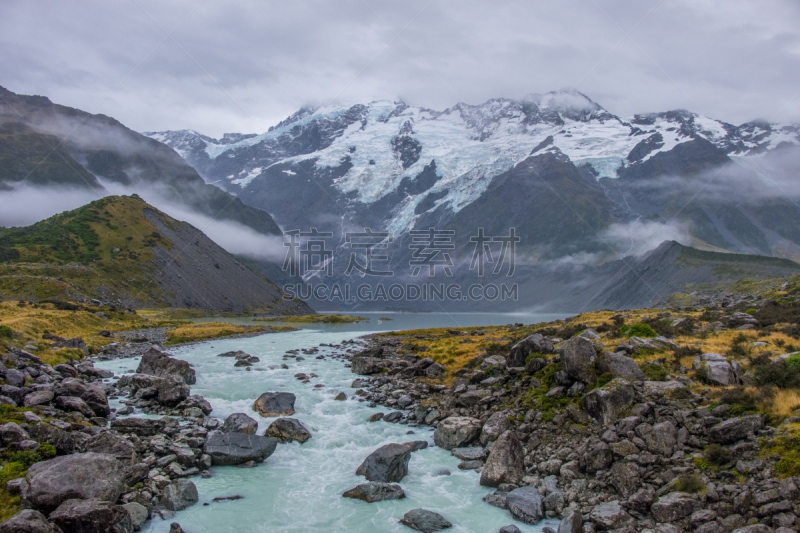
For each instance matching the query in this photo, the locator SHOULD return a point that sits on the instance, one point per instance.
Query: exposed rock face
(92, 516)
(525, 504)
(571, 523)
(735, 429)
(369, 361)
(238, 448)
(717, 370)
(619, 365)
(425, 521)
(272, 404)
(112, 443)
(389, 463)
(28, 521)
(375, 491)
(505, 463)
(456, 431)
(608, 403)
(536, 343)
(86, 476)
(578, 358)
(138, 513)
(240, 423)
(179, 495)
(611, 515)
(157, 363)
(287, 430)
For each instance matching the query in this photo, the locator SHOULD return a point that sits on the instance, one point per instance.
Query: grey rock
(288, 430)
(456, 431)
(673, 507)
(536, 343)
(38, 398)
(73, 403)
(472, 453)
(138, 513)
(45, 432)
(660, 438)
(494, 427)
(11, 433)
(505, 463)
(608, 403)
(157, 363)
(240, 423)
(625, 478)
(578, 358)
(28, 521)
(620, 366)
(388, 464)
(511, 529)
(86, 476)
(735, 429)
(93, 395)
(416, 445)
(272, 404)
(611, 515)
(238, 448)
(425, 521)
(92, 516)
(375, 491)
(598, 457)
(112, 443)
(526, 505)
(717, 370)
(572, 522)
(179, 495)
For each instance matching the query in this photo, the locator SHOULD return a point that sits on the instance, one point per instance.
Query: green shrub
(781, 373)
(6, 331)
(638, 330)
(655, 372)
(690, 483)
(716, 456)
(750, 311)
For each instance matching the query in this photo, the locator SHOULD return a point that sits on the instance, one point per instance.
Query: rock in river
(240, 423)
(272, 404)
(375, 491)
(389, 463)
(525, 504)
(28, 521)
(287, 430)
(505, 463)
(425, 521)
(238, 448)
(157, 363)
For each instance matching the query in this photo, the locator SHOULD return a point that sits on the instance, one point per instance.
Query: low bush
(654, 372)
(6, 331)
(638, 330)
(690, 483)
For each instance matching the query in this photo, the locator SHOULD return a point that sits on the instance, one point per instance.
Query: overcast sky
(217, 67)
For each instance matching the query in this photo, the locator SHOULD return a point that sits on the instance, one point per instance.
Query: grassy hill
(120, 249)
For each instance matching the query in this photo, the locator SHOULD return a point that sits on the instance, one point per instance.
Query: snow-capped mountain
(395, 167)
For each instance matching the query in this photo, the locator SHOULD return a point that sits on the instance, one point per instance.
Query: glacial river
(299, 488)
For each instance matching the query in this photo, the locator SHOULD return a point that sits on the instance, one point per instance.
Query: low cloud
(638, 237)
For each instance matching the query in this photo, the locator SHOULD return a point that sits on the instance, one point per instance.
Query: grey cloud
(733, 60)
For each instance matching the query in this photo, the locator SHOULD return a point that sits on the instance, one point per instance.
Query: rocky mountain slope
(46, 145)
(121, 250)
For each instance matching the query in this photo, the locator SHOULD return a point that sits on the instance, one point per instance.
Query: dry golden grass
(784, 403)
(214, 330)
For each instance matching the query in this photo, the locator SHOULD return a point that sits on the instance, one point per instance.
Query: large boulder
(425, 521)
(625, 478)
(112, 443)
(673, 507)
(85, 476)
(526, 505)
(578, 358)
(287, 430)
(93, 395)
(240, 423)
(179, 495)
(494, 427)
(375, 491)
(139, 514)
(715, 369)
(28, 521)
(735, 429)
(536, 343)
(157, 363)
(619, 365)
(39, 397)
(389, 463)
(63, 441)
(369, 361)
(73, 403)
(737, 320)
(92, 516)
(608, 403)
(456, 431)
(238, 448)
(11, 433)
(505, 463)
(272, 404)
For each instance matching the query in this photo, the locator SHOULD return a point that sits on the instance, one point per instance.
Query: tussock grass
(316, 319)
(213, 330)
